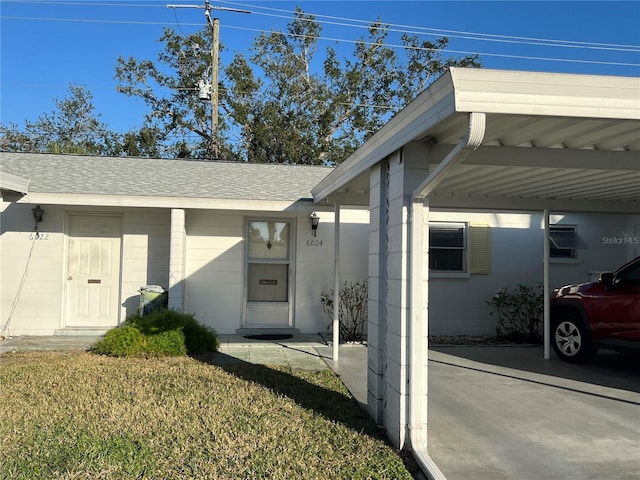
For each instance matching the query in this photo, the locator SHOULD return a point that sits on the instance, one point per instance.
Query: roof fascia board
(470, 202)
(551, 94)
(14, 183)
(164, 202)
(431, 107)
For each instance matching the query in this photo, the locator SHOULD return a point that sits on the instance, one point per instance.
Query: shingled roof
(146, 177)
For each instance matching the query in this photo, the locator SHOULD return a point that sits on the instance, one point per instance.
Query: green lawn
(77, 415)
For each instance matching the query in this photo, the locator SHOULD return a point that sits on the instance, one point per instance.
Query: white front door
(269, 285)
(93, 271)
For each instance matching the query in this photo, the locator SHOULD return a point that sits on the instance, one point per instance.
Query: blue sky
(48, 44)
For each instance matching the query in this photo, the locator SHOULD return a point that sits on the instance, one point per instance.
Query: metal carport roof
(556, 141)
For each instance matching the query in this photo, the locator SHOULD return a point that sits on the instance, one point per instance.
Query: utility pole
(210, 91)
(215, 48)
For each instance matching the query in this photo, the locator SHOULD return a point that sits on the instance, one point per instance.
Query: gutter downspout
(336, 285)
(419, 291)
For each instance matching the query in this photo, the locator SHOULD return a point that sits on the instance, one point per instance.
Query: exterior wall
(215, 265)
(396, 337)
(457, 303)
(32, 279)
(315, 263)
(31, 283)
(145, 254)
(32, 272)
(214, 268)
(376, 325)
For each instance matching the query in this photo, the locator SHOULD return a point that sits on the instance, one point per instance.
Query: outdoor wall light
(315, 220)
(38, 212)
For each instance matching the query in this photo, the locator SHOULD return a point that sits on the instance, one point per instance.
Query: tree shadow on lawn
(331, 404)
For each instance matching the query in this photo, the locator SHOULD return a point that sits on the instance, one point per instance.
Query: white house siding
(457, 303)
(377, 293)
(37, 308)
(31, 283)
(215, 265)
(612, 241)
(214, 284)
(214, 268)
(388, 308)
(145, 254)
(315, 263)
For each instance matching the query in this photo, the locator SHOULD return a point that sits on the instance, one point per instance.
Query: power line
(398, 28)
(450, 33)
(342, 40)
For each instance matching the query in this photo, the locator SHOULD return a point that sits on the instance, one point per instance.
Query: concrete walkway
(494, 412)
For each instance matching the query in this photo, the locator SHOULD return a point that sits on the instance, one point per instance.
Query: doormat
(269, 336)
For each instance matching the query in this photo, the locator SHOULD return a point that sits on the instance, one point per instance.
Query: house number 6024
(39, 236)
(314, 243)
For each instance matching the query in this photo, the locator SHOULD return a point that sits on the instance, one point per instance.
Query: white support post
(547, 290)
(336, 283)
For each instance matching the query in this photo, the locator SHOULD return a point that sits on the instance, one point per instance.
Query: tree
(294, 115)
(273, 106)
(72, 127)
(168, 89)
(143, 143)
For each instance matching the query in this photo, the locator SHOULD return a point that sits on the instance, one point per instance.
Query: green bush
(170, 343)
(123, 341)
(198, 338)
(162, 333)
(519, 313)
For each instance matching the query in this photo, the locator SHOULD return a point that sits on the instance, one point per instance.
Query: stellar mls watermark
(621, 240)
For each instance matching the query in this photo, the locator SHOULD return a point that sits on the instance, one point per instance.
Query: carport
(475, 139)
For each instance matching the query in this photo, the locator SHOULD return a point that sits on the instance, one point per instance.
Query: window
(268, 261)
(447, 247)
(630, 276)
(564, 241)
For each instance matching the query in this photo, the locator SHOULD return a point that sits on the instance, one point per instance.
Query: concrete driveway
(506, 413)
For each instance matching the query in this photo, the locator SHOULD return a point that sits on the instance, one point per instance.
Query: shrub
(123, 341)
(352, 317)
(198, 338)
(170, 343)
(161, 333)
(519, 312)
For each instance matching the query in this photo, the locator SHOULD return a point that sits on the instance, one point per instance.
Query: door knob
(70, 277)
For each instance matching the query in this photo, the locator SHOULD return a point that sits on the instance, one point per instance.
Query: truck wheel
(571, 340)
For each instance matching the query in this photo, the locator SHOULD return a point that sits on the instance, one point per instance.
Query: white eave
(530, 117)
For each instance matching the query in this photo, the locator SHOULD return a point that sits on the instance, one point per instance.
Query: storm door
(269, 274)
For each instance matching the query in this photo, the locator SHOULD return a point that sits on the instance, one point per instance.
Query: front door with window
(269, 273)
(93, 271)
